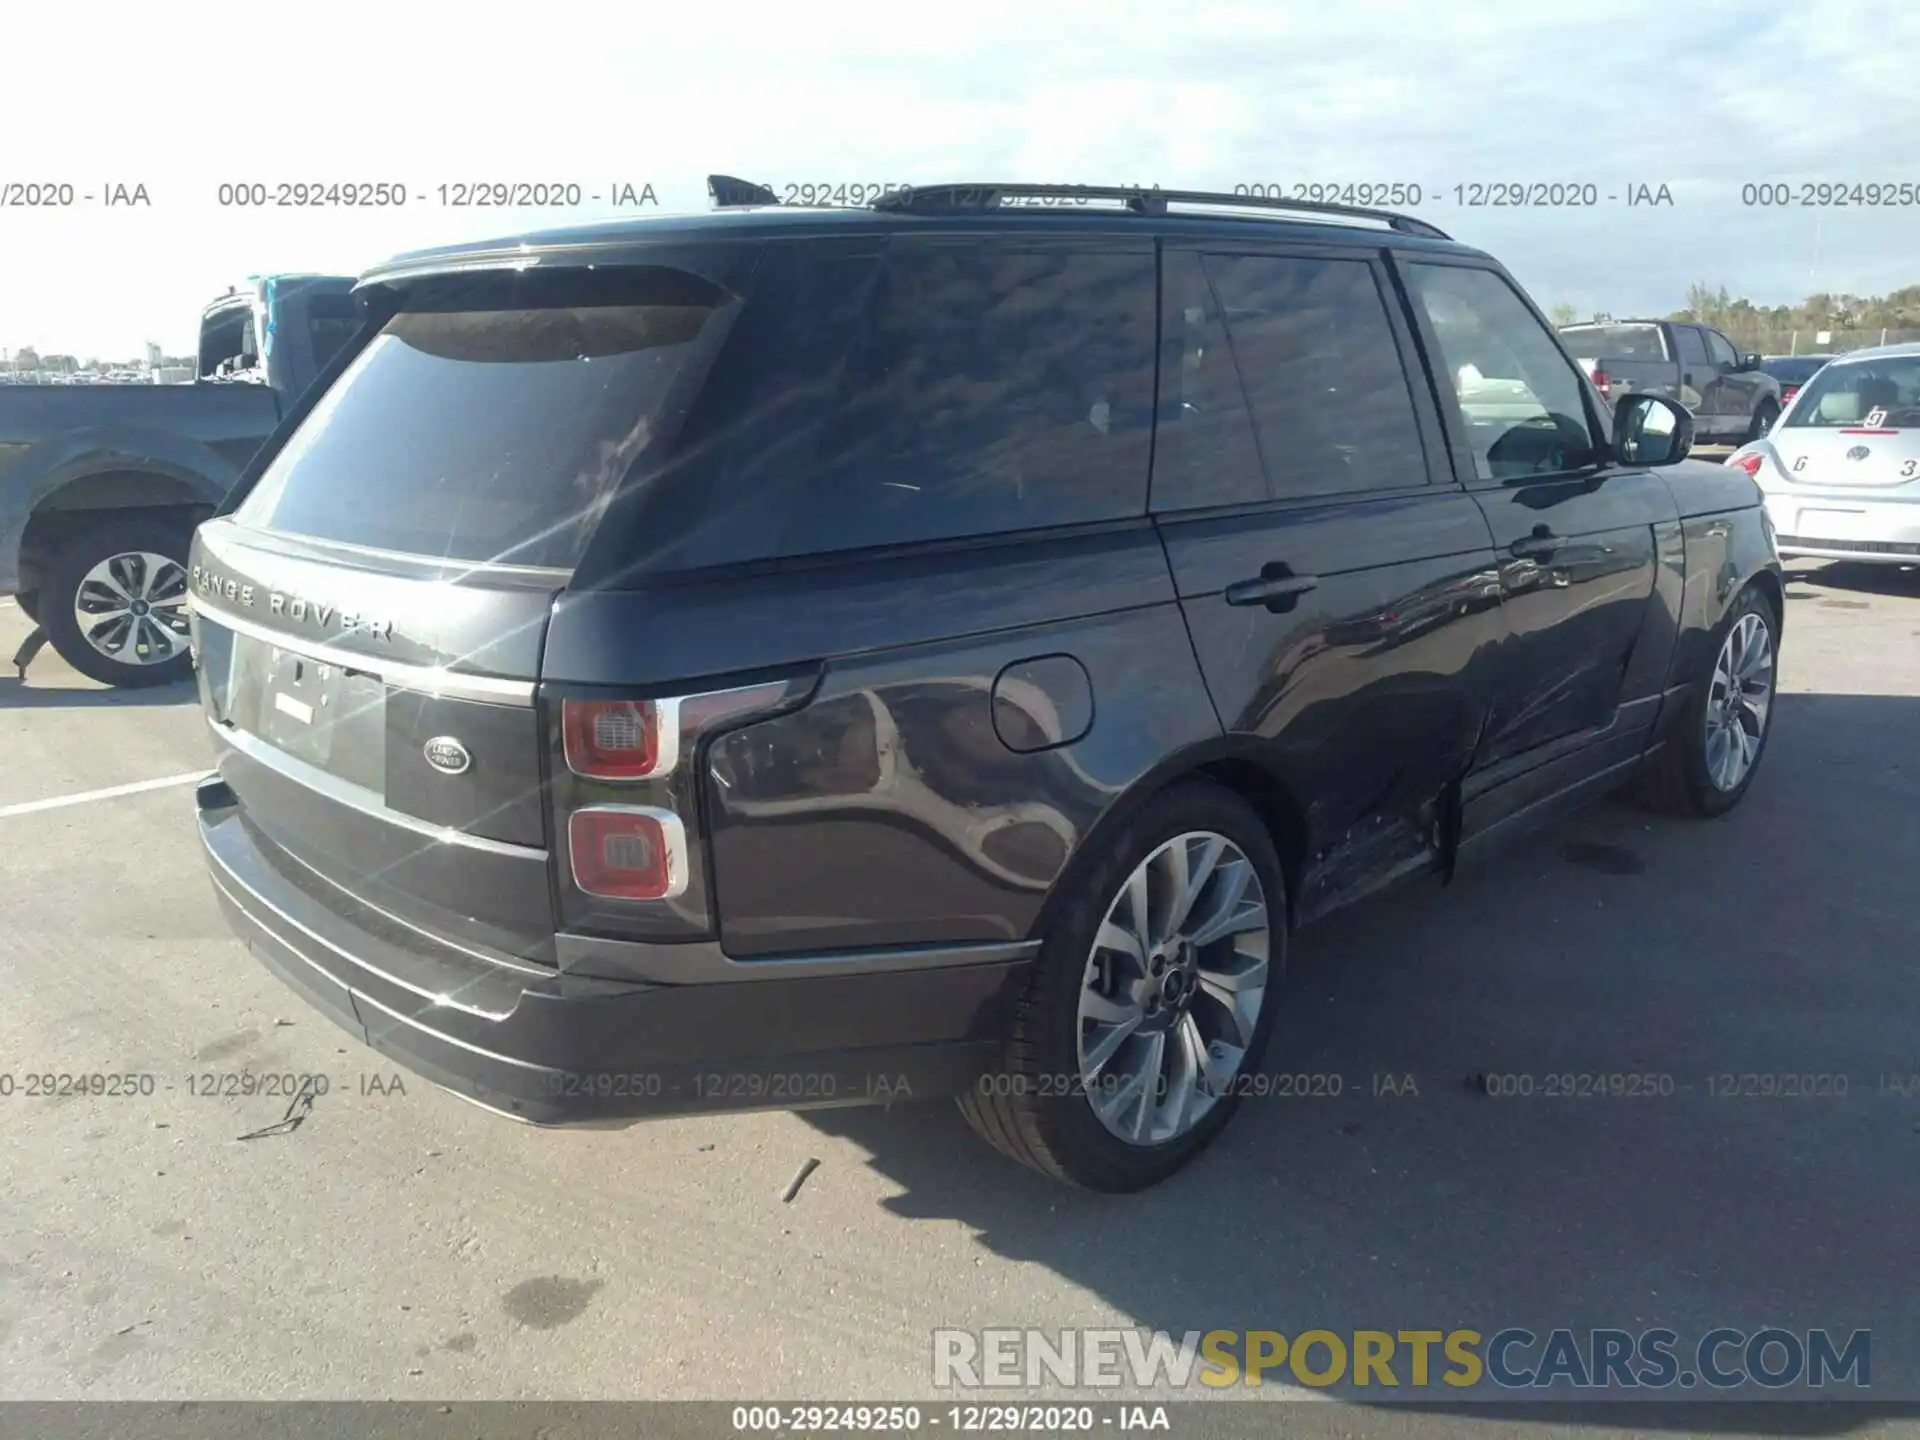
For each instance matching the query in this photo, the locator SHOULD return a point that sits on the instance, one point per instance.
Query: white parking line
(28, 807)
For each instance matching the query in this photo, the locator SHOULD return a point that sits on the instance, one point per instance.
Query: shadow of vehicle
(17, 694)
(1445, 1180)
(1897, 580)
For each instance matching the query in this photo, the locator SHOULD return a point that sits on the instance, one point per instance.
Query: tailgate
(377, 724)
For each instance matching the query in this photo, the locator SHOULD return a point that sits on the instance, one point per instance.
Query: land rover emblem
(448, 755)
(1858, 452)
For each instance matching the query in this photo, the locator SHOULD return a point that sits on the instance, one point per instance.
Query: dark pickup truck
(1732, 397)
(102, 485)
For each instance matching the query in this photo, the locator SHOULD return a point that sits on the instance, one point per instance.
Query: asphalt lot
(405, 1245)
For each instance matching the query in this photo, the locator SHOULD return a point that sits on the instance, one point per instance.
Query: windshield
(493, 432)
(1872, 394)
(1614, 342)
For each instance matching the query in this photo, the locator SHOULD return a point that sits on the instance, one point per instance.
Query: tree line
(1712, 305)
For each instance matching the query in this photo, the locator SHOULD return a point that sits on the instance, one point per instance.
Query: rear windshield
(490, 421)
(1614, 342)
(1876, 393)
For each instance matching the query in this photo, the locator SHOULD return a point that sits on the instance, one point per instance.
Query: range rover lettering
(946, 646)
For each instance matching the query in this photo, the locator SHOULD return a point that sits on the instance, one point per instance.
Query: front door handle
(1534, 547)
(1276, 592)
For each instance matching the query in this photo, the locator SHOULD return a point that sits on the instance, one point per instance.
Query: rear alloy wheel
(1151, 1001)
(114, 602)
(1714, 752)
(1174, 985)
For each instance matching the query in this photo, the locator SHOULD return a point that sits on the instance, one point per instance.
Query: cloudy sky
(1699, 97)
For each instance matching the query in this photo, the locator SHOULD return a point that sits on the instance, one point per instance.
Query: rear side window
(980, 389)
(997, 389)
(1205, 454)
(491, 421)
(1321, 369)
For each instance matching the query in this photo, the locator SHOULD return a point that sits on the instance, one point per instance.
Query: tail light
(626, 805)
(1603, 382)
(1787, 392)
(628, 852)
(620, 739)
(1749, 462)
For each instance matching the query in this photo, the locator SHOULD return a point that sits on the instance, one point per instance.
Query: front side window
(1722, 351)
(1520, 400)
(1693, 350)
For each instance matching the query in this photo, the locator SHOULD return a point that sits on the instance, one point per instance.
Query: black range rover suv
(777, 658)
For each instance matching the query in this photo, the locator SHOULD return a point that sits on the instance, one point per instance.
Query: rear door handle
(1534, 547)
(1271, 590)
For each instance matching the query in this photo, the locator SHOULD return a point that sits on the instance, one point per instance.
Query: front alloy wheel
(1739, 699)
(1173, 989)
(1707, 764)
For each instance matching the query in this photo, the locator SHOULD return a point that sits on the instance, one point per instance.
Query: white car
(1841, 469)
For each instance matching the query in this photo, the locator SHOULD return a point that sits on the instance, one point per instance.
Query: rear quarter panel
(892, 810)
(917, 798)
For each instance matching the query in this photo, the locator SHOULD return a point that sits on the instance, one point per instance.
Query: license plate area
(327, 714)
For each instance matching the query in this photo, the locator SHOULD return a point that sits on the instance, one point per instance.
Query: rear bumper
(1845, 526)
(553, 1048)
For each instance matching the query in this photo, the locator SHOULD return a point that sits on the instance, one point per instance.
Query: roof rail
(991, 196)
(728, 191)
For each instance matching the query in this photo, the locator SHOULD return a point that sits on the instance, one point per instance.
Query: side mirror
(1752, 362)
(1651, 430)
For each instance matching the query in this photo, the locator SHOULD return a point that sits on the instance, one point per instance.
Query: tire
(143, 559)
(1680, 778)
(29, 603)
(1038, 1107)
(1762, 422)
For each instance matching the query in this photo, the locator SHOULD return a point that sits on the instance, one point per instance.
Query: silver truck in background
(1732, 397)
